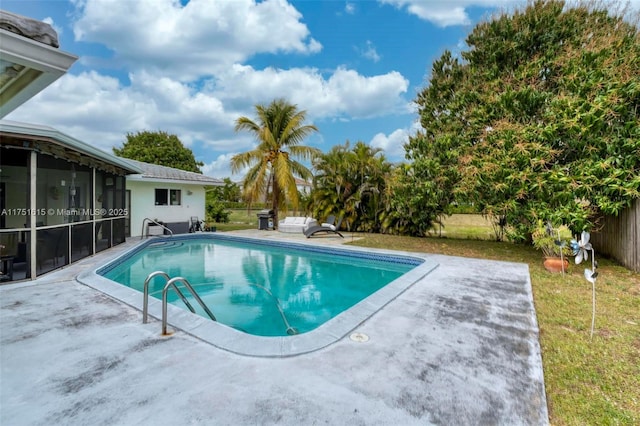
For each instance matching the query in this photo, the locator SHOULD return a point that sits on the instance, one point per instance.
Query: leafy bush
(463, 208)
(532, 119)
(551, 241)
(216, 212)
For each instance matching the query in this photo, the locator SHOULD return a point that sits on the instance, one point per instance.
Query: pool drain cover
(359, 337)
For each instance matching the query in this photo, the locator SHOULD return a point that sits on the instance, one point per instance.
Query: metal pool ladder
(145, 220)
(171, 283)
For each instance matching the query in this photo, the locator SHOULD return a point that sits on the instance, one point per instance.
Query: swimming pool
(266, 289)
(260, 289)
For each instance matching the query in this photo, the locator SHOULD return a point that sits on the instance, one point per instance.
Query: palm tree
(350, 182)
(279, 131)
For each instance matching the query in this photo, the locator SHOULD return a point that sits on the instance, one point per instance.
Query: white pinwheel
(581, 247)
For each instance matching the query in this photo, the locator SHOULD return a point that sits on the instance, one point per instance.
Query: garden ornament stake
(581, 250)
(560, 243)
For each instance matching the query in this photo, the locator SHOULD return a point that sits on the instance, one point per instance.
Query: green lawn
(465, 226)
(239, 219)
(588, 382)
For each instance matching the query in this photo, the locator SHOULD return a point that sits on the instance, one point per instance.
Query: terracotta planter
(554, 264)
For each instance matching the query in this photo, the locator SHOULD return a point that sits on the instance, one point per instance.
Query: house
(303, 186)
(166, 195)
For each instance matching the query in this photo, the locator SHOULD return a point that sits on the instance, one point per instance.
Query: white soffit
(37, 65)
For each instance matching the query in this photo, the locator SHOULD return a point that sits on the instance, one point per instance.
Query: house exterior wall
(304, 188)
(143, 203)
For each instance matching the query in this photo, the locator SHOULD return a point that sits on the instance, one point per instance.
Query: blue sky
(191, 68)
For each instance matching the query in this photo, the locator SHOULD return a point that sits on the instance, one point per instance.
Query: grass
(465, 226)
(587, 381)
(239, 219)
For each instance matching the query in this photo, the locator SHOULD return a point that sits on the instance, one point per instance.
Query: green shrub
(463, 208)
(551, 241)
(216, 212)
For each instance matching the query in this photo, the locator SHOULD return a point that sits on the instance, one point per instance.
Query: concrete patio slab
(460, 346)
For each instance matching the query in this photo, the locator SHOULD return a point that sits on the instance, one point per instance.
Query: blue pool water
(260, 288)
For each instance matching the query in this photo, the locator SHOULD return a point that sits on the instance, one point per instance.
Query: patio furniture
(331, 220)
(296, 224)
(324, 228)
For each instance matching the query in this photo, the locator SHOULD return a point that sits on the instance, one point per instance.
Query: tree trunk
(275, 195)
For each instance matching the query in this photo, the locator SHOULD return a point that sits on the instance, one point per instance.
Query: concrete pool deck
(460, 346)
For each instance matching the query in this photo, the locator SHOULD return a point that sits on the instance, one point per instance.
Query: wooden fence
(620, 237)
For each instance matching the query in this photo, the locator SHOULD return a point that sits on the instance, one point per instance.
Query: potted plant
(554, 244)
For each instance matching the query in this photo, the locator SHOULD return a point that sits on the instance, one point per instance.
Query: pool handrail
(171, 283)
(145, 292)
(145, 220)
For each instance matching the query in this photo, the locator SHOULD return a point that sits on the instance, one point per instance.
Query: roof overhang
(27, 67)
(51, 141)
(141, 178)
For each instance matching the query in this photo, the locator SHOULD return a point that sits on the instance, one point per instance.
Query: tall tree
(540, 119)
(229, 192)
(279, 129)
(159, 148)
(351, 182)
(425, 190)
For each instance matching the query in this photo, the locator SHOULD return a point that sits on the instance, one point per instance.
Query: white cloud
(446, 13)
(350, 8)
(100, 110)
(343, 93)
(75, 104)
(392, 144)
(57, 29)
(369, 52)
(221, 168)
(192, 40)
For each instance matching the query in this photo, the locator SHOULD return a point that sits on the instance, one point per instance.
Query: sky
(191, 68)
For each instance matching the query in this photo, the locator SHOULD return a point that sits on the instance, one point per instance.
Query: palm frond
(284, 175)
(279, 129)
(304, 152)
(245, 159)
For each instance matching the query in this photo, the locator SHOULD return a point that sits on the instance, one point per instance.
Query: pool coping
(235, 341)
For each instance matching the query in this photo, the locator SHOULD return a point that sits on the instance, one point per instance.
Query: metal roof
(154, 172)
(49, 135)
